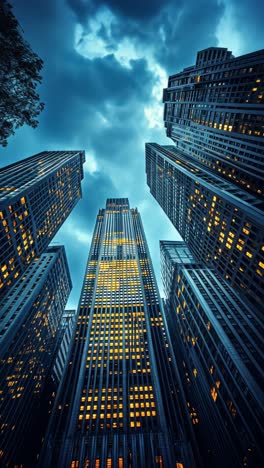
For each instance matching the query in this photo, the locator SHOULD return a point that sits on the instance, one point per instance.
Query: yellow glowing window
(249, 254)
(22, 200)
(261, 264)
(214, 393)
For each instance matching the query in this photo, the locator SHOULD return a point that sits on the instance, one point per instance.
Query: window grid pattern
(222, 225)
(219, 341)
(36, 196)
(214, 112)
(30, 322)
(111, 404)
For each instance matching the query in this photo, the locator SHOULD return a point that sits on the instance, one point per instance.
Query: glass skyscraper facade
(210, 183)
(117, 405)
(222, 225)
(214, 112)
(218, 343)
(60, 358)
(36, 196)
(29, 328)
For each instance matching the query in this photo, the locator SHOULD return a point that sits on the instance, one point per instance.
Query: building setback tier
(118, 402)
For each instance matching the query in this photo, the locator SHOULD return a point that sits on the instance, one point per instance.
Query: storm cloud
(106, 63)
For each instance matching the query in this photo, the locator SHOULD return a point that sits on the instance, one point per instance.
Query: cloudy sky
(105, 64)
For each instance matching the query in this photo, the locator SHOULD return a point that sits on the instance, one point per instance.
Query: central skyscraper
(116, 405)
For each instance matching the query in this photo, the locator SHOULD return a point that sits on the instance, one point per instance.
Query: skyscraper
(61, 353)
(116, 402)
(29, 324)
(36, 196)
(214, 112)
(222, 224)
(218, 342)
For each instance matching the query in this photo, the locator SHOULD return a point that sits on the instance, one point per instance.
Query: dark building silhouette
(214, 112)
(29, 328)
(60, 358)
(36, 196)
(222, 225)
(218, 343)
(117, 405)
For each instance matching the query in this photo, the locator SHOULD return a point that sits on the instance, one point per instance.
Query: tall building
(117, 403)
(36, 196)
(222, 224)
(61, 354)
(218, 342)
(214, 112)
(29, 326)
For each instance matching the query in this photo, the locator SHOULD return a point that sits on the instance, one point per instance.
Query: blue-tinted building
(36, 196)
(218, 343)
(210, 183)
(222, 224)
(60, 359)
(214, 112)
(29, 329)
(118, 403)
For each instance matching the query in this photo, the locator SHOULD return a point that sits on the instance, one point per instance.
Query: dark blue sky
(106, 63)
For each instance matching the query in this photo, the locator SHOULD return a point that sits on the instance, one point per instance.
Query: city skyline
(98, 368)
(99, 101)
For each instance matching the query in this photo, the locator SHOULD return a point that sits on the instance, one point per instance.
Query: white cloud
(69, 233)
(154, 115)
(90, 44)
(227, 33)
(83, 236)
(90, 166)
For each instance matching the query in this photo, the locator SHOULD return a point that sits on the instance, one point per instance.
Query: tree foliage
(19, 76)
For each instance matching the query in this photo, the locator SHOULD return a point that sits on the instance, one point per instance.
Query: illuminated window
(214, 393)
